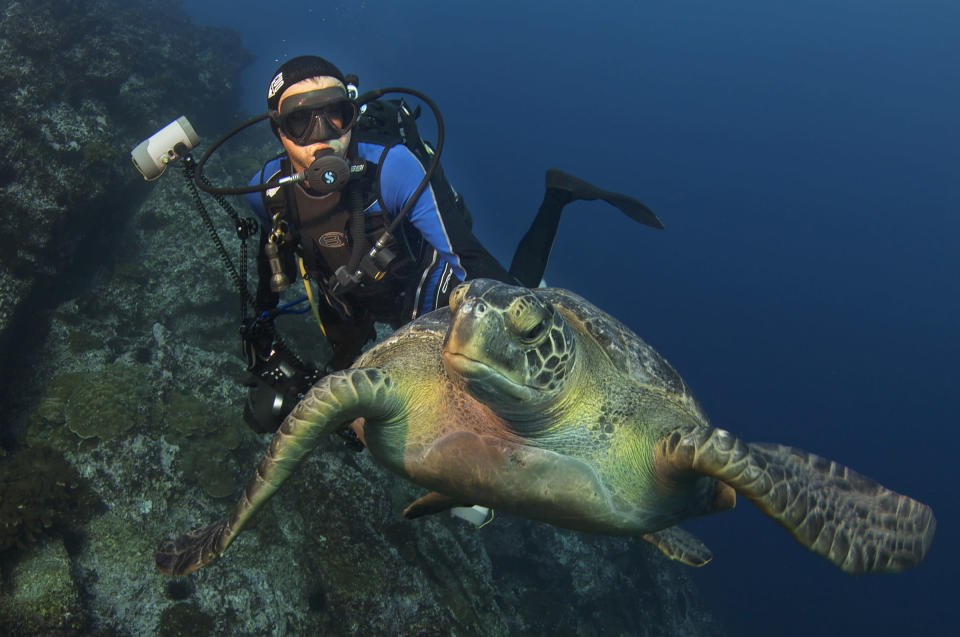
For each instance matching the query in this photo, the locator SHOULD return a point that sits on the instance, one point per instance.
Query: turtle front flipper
(854, 522)
(332, 402)
(192, 550)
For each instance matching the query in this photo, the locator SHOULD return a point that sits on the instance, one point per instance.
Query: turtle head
(512, 348)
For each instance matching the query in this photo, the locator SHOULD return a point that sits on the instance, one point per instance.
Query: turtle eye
(528, 318)
(535, 332)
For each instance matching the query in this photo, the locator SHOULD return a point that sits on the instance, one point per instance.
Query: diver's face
(302, 156)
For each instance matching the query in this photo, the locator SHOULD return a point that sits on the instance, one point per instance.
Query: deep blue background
(804, 158)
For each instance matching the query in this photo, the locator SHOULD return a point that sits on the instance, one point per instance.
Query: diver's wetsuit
(435, 243)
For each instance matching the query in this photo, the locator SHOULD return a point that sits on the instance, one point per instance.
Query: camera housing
(152, 155)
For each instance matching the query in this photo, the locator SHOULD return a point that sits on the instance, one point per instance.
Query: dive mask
(316, 116)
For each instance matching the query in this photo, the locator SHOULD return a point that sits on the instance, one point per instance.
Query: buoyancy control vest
(320, 225)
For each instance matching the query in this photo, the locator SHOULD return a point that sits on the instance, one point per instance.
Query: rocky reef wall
(82, 81)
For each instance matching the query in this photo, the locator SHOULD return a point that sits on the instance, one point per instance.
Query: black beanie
(296, 69)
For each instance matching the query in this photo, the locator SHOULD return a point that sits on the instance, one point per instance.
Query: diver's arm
(439, 217)
(255, 199)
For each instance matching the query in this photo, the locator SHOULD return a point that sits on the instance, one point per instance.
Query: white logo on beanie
(275, 85)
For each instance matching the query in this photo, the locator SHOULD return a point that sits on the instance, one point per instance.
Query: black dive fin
(532, 253)
(580, 189)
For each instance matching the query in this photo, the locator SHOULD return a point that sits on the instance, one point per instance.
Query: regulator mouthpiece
(328, 172)
(152, 155)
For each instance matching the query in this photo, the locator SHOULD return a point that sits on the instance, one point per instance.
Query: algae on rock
(103, 404)
(44, 598)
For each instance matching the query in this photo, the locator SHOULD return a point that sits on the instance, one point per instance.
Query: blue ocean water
(804, 159)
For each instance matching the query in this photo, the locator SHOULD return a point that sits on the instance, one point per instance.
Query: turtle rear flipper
(854, 522)
(430, 504)
(680, 545)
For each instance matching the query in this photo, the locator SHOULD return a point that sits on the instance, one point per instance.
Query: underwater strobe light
(152, 155)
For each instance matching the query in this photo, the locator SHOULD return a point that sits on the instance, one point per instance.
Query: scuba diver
(371, 220)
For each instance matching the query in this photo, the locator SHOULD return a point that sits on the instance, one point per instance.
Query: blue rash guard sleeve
(255, 199)
(400, 175)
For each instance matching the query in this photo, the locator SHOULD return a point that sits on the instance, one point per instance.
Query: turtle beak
(468, 324)
(484, 382)
(472, 352)
(463, 350)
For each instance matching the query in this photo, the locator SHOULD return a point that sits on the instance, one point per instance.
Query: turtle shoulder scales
(626, 351)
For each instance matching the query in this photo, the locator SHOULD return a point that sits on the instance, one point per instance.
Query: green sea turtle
(538, 404)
